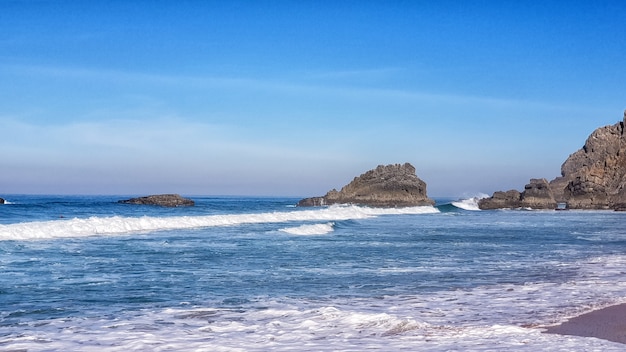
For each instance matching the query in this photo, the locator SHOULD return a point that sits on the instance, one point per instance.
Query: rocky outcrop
(1, 200)
(501, 200)
(385, 186)
(594, 177)
(536, 195)
(164, 200)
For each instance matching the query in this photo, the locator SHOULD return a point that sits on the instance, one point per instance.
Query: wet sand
(608, 323)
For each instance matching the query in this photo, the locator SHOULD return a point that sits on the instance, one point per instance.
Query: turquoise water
(233, 273)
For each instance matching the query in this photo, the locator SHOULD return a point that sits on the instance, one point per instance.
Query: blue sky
(293, 98)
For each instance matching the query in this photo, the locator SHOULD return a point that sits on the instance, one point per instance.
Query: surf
(468, 203)
(120, 225)
(310, 230)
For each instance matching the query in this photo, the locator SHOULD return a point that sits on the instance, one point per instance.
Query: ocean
(85, 273)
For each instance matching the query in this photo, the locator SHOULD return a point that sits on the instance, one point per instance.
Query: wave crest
(123, 225)
(469, 203)
(309, 230)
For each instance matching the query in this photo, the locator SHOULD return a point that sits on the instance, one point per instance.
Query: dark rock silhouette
(164, 200)
(393, 185)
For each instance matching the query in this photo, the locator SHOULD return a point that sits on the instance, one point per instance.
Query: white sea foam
(123, 225)
(469, 203)
(349, 325)
(489, 318)
(314, 229)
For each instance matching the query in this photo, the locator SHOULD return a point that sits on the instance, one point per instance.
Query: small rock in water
(164, 200)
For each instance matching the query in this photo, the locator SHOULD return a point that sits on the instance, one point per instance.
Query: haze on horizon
(293, 98)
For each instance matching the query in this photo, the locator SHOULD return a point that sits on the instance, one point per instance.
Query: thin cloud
(290, 85)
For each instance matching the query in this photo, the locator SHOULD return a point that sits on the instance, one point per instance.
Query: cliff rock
(164, 200)
(385, 186)
(593, 177)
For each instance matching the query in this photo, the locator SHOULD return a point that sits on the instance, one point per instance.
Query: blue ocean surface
(254, 274)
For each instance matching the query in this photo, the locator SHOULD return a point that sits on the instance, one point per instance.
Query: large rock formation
(1, 201)
(594, 177)
(386, 186)
(164, 200)
(536, 195)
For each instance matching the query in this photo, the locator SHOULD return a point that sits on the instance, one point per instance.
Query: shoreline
(608, 323)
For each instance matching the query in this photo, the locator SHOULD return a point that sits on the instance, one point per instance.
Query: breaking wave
(116, 225)
(469, 203)
(308, 230)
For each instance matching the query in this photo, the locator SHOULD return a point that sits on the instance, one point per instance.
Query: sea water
(257, 274)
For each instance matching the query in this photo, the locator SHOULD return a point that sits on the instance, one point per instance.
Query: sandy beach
(608, 323)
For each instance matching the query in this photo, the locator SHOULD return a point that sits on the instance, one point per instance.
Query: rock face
(164, 200)
(594, 177)
(500, 200)
(536, 195)
(386, 186)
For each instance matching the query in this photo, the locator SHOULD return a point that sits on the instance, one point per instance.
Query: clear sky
(293, 98)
